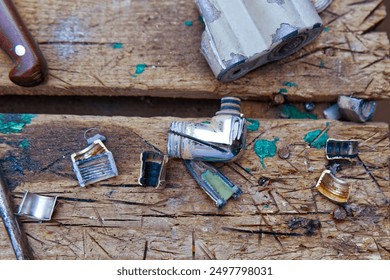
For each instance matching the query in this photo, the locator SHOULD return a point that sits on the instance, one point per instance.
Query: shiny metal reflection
(37, 207)
(94, 164)
(220, 140)
(341, 149)
(333, 188)
(153, 169)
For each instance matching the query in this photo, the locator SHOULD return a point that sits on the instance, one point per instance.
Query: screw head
(309, 106)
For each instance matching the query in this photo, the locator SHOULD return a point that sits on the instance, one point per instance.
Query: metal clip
(221, 140)
(218, 187)
(356, 110)
(341, 149)
(333, 188)
(90, 140)
(153, 169)
(37, 207)
(94, 164)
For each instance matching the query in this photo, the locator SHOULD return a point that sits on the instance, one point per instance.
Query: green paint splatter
(266, 206)
(314, 141)
(188, 23)
(290, 84)
(14, 123)
(326, 29)
(264, 149)
(248, 170)
(283, 90)
(322, 64)
(117, 45)
(292, 112)
(25, 143)
(206, 122)
(253, 125)
(139, 69)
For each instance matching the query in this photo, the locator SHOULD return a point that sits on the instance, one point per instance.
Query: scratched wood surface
(78, 39)
(117, 219)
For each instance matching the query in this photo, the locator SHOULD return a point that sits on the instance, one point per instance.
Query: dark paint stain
(48, 158)
(310, 226)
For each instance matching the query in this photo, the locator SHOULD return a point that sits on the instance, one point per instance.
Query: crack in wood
(100, 246)
(274, 233)
(145, 250)
(373, 11)
(386, 199)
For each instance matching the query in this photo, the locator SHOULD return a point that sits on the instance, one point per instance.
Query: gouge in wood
(13, 226)
(30, 66)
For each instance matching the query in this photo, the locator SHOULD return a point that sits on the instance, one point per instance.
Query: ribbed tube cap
(230, 105)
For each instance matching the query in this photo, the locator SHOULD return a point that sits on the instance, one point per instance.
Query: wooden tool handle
(30, 65)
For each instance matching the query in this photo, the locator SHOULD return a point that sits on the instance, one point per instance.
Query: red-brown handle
(30, 65)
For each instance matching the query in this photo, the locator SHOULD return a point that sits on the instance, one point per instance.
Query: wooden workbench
(93, 48)
(117, 219)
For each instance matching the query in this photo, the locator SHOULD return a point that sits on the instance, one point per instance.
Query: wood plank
(117, 219)
(77, 36)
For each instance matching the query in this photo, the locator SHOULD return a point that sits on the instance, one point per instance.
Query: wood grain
(76, 37)
(117, 219)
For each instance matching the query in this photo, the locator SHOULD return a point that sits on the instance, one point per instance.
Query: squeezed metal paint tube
(355, 109)
(217, 186)
(242, 35)
(221, 140)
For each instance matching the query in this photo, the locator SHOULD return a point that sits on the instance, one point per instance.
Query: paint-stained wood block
(280, 215)
(103, 47)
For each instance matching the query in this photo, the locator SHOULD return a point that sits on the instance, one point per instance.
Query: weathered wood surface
(117, 219)
(77, 36)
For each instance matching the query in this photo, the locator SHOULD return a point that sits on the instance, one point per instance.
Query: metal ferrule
(341, 149)
(221, 140)
(153, 169)
(37, 207)
(94, 164)
(217, 186)
(242, 35)
(333, 188)
(355, 109)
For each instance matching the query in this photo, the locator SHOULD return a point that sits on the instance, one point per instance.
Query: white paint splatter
(69, 31)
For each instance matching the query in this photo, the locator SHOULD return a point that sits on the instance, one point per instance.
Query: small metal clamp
(37, 207)
(341, 149)
(94, 164)
(333, 188)
(356, 110)
(153, 169)
(218, 187)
